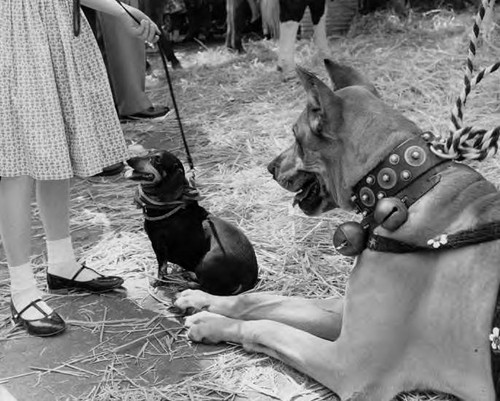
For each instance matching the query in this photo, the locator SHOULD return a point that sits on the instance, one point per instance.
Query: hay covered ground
(237, 115)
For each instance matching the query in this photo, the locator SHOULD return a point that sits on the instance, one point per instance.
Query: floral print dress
(57, 116)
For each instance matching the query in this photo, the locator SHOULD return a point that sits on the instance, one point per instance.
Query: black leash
(76, 17)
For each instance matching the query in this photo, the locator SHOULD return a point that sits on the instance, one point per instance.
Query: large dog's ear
(323, 106)
(343, 76)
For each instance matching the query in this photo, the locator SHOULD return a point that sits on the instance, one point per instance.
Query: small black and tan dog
(184, 233)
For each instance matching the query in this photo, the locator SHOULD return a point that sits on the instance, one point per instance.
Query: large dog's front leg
(318, 358)
(321, 317)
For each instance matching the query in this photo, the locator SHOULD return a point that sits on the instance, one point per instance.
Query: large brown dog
(409, 321)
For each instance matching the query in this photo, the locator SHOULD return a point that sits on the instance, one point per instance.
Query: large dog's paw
(211, 328)
(193, 300)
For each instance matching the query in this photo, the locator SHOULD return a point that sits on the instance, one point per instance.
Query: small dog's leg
(321, 317)
(163, 271)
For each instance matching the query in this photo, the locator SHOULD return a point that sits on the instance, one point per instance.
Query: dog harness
(155, 211)
(408, 163)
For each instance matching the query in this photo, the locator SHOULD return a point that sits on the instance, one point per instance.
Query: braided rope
(468, 143)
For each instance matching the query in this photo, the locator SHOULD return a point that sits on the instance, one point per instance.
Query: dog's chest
(180, 239)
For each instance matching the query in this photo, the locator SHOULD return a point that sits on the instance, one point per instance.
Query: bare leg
(15, 218)
(15, 229)
(53, 201)
(322, 318)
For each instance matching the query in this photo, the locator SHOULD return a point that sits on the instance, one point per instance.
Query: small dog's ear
(322, 103)
(343, 76)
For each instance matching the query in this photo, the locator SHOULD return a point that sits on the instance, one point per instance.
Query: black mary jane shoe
(99, 284)
(49, 325)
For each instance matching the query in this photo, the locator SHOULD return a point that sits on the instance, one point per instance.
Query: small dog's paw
(210, 328)
(193, 299)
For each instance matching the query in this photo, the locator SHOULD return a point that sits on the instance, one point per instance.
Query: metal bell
(390, 213)
(350, 239)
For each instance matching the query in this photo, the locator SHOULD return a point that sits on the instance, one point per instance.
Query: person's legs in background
(125, 59)
(156, 10)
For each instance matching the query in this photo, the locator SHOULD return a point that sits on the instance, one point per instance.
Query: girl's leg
(53, 201)
(15, 230)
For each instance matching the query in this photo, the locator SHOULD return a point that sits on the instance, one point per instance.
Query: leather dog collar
(409, 162)
(384, 195)
(150, 206)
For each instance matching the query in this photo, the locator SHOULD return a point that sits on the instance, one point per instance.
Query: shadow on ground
(109, 339)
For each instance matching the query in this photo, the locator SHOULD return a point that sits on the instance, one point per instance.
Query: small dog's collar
(147, 204)
(394, 176)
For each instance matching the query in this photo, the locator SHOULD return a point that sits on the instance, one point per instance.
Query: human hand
(147, 30)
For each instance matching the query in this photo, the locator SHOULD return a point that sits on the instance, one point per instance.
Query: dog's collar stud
(384, 195)
(408, 162)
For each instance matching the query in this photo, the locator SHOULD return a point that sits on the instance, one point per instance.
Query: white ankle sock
(23, 291)
(62, 261)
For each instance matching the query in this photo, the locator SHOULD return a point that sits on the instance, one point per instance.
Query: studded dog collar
(412, 160)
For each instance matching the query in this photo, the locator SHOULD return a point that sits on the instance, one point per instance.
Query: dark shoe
(111, 170)
(151, 112)
(49, 325)
(99, 284)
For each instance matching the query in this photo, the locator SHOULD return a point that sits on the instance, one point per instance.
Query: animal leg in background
(254, 8)
(270, 13)
(319, 36)
(321, 317)
(235, 20)
(286, 49)
(291, 13)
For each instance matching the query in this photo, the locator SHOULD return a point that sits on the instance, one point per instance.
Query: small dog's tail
(237, 290)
